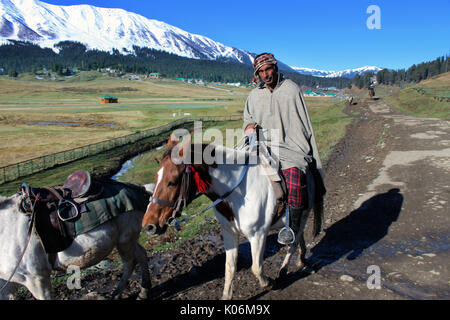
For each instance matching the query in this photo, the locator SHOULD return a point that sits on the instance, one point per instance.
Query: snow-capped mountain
(104, 29)
(349, 73)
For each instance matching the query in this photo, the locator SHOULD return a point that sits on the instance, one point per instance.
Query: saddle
(81, 204)
(56, 209)
(78, 183)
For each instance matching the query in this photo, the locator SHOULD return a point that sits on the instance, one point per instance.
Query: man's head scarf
(262, 60)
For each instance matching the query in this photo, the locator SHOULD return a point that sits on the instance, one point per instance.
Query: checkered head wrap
(262, 60)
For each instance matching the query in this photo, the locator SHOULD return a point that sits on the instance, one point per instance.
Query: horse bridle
(182, 200)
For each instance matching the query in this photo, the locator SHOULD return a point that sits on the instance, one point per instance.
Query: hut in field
(108, 99)
(154, 75)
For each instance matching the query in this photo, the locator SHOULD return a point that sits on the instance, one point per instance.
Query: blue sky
(329, 35)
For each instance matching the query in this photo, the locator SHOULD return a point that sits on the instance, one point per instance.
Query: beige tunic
(284, 109)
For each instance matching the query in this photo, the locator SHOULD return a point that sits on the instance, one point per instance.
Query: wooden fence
(25, 168)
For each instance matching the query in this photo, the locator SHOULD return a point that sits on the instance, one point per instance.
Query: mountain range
(107, 29)
(348, 73)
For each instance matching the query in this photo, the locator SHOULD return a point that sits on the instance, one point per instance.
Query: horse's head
(175, 186)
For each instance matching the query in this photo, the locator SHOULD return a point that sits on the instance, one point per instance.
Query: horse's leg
(8, 292)
(40, 287)
(128, 264)
(145, 273)
(283, 269)
(230, 241)
(301, 261)
(257, 244)
(300, 243)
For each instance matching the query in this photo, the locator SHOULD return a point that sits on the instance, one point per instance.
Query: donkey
(247, 210)
(33, 269)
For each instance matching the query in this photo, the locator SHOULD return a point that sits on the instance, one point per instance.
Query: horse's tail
(318, 217)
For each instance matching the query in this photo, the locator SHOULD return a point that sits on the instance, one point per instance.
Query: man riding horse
(277, 104)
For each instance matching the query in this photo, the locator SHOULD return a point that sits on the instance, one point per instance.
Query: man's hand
(250, 129)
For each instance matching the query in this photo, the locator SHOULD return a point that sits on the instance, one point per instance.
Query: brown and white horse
(248, 209)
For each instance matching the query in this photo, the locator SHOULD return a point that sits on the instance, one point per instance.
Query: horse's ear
(185, 147)
(173, 141)
(180, 151)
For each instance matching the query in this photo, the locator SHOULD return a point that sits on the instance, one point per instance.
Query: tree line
(18, 57)
(415, 73)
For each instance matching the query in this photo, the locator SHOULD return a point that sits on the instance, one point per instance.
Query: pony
(371, 92)
(24, 261)
(248, 208)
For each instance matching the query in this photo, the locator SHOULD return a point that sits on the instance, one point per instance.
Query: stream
(129, 164)
(125, 167)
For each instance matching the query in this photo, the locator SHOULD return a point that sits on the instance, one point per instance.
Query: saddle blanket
(117, 198)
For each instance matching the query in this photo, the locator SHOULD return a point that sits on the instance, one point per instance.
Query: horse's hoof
(279, 283)
(143, 295)
(281, 274)
(300, 265)
(270, 284)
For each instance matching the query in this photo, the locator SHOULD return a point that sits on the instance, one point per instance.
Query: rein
(177, 206)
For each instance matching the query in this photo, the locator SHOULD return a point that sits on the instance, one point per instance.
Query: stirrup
(73, 209)
(292, 234)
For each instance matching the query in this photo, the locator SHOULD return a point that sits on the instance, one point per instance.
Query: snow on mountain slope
(349, 73)
(104, 29)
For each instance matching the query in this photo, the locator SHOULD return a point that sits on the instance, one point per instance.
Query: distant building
(108, 99)
(154, 75)
(310, 93)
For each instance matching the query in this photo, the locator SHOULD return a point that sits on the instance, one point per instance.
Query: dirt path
(388, 207)
(387, 214)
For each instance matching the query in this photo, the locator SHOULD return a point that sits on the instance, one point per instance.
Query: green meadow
(39, 117)
(430, 98)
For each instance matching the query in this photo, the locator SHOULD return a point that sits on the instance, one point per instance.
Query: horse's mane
(4, 201)
(221, 154)
(226, 155)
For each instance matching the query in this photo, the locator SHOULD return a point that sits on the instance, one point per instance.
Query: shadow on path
(353, 234)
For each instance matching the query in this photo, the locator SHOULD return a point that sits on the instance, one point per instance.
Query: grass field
(42, 117)
(422, 102)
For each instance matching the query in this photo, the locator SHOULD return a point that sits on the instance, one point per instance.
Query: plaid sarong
(296, 185)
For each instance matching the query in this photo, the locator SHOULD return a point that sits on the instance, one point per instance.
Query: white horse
(248, 210)
(86, 250)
